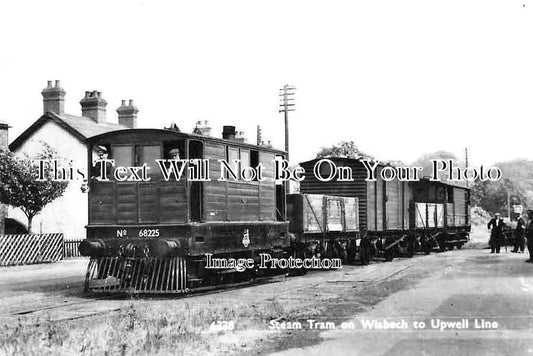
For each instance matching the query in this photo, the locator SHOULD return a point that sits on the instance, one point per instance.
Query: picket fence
(30, 248)
(71, 248)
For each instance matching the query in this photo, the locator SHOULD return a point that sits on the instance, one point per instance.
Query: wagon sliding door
(334, 212)
(420, 218)
(351, 214)
(393, 196)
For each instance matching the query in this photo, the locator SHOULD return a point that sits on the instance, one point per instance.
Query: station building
(66, 134)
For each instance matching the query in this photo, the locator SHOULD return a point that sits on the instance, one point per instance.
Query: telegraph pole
(466, 162)
(286, 104)
(259, 136)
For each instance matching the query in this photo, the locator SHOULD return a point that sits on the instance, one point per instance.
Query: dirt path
(471, 303)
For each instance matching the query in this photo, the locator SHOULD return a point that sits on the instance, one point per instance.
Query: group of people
(522, 233)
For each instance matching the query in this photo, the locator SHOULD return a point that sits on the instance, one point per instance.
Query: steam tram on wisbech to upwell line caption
(153, 236)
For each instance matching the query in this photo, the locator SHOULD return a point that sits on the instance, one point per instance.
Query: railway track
(96, 304)
(63, 311)
(266, 290)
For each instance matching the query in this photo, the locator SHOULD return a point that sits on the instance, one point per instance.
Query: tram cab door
(196, 151)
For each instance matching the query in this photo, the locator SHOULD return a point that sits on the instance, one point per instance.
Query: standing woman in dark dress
(497, 238)
(529, 235)
(519, 234)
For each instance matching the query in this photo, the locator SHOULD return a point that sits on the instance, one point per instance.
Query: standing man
(529, 234)
(497, 237)
(174, 153)
(519, 234)
(97, 169)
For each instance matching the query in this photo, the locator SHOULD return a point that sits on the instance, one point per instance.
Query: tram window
(245, 158)
(123, 155)
(196, 150)
(254, 160)
(101, 152)
(148, 155)
(232, 153)
(171, 148)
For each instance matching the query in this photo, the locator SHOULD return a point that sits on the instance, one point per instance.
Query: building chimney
(54, 98)
(202, 128)
(239, 136)
(228, 132)
(127, 114)
(3, 145)
(93, 106)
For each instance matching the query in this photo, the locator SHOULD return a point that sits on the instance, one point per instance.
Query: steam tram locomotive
(151, 233)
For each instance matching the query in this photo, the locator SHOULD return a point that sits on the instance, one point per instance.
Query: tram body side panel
(138, 203)
(160, 204)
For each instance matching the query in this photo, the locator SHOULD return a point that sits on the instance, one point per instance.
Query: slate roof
(80, 127)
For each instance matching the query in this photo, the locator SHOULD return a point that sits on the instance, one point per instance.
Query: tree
(492, 196)
(394, 163)
(19, 186)
(424, 161)
(343, 149)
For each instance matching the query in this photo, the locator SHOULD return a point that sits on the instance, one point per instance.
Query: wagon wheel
(389, 255)
(299, 251)
(442, 246)
(411, 246)
(426, 246)
(364, 252)
(351, 251)
(417, 244)
(441, 241)
(336, 250)
(389, 252)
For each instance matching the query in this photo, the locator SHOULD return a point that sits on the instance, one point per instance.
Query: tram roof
(180, 136)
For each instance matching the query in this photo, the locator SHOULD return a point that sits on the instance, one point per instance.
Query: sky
(399, 78)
